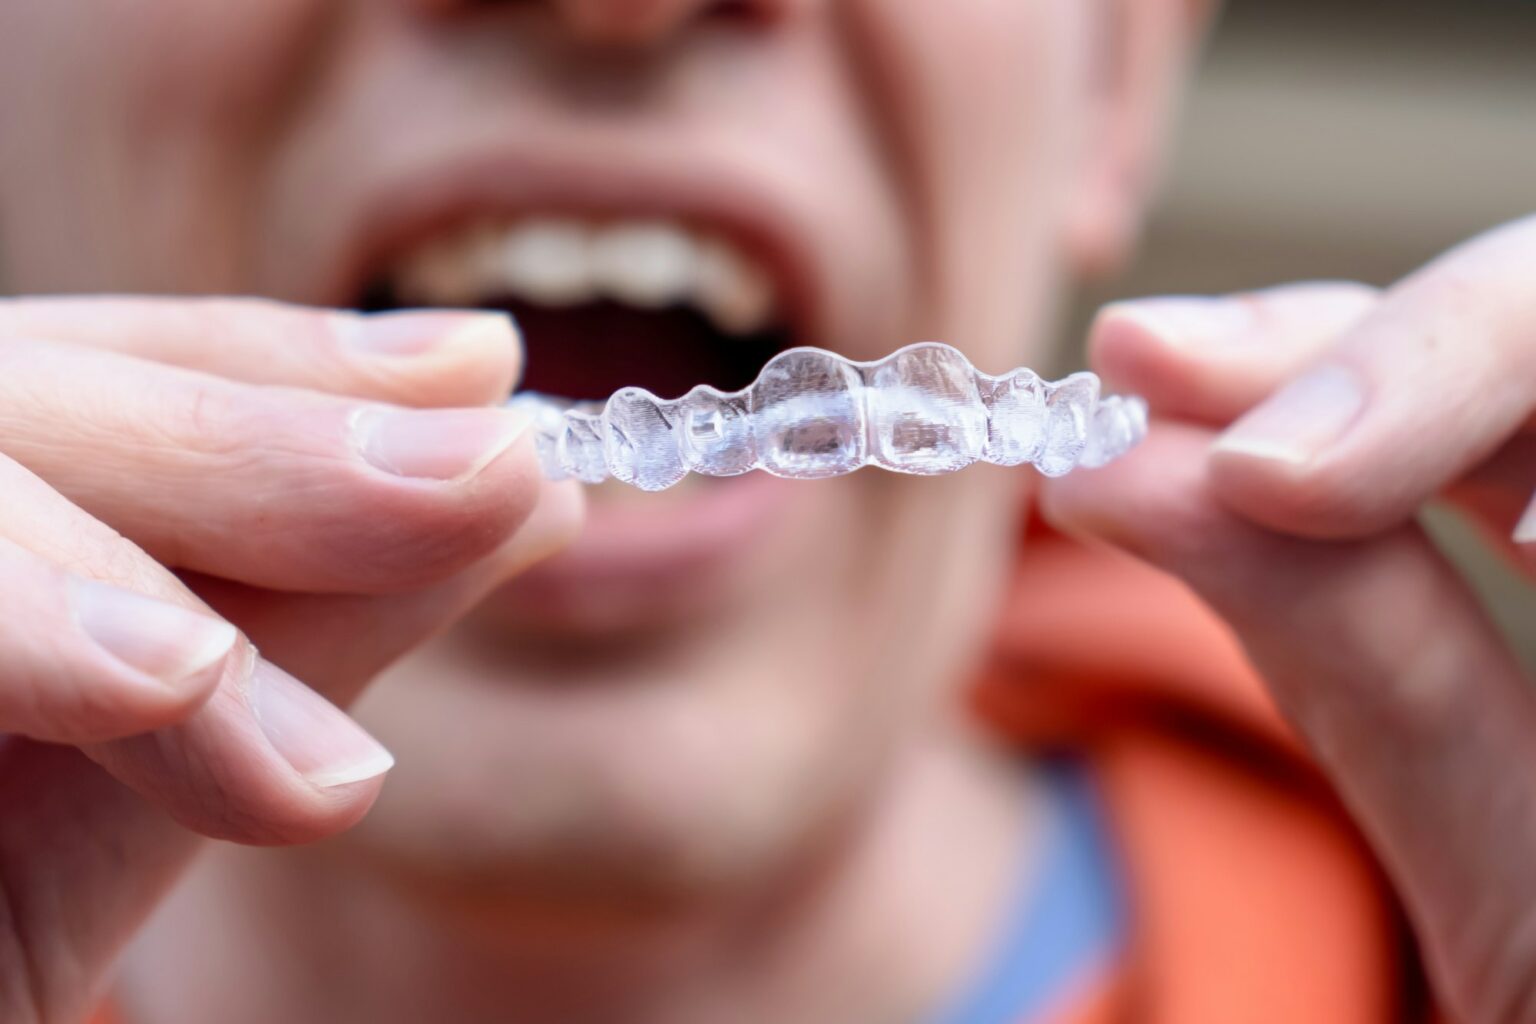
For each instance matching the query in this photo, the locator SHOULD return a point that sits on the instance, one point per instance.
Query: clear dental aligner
(812, 414)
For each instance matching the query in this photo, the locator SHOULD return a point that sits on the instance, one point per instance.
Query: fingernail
(413, 332)
(434, 444)
(1301, 420)
(160, 639)
(319, 740)
(1525, 529)
(1187, 321)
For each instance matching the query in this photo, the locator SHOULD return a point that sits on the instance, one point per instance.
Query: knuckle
(198, 415)
(259, 434)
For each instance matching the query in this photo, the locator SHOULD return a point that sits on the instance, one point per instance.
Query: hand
(154, 454)
(1353, 408)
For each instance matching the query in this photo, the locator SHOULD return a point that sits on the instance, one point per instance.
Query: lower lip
(649, 560)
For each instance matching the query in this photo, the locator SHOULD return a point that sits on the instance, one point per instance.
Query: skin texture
(572, 803)
(1352, 408)
(768, 747)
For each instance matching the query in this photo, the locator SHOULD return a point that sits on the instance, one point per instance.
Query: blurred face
(712, 673)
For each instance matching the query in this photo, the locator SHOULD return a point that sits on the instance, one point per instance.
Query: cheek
(985, 100)
(129, 128)
(176, 60)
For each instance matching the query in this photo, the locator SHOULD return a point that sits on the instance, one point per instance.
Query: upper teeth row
(561, 261)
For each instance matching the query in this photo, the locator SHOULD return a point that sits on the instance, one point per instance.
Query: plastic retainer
(813, 414)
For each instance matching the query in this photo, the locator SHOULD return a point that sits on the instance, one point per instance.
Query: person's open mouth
(607, 299)
(605, 302)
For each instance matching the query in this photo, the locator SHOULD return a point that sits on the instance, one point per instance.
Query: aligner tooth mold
(811, 414)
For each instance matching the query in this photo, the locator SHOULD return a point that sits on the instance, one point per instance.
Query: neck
(887, 921)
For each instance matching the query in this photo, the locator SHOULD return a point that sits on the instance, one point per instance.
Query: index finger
(432, 357)
(1434, 381)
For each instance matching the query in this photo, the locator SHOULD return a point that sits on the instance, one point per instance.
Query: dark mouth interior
(589, 351)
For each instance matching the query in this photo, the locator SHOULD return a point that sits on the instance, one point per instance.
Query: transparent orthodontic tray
(813, 414)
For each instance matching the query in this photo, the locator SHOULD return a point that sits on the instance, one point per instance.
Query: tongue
(591, 351)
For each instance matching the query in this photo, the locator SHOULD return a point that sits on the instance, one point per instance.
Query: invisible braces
(813, 414)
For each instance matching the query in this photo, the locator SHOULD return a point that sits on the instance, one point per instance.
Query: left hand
(336, 487)
(1298, 433)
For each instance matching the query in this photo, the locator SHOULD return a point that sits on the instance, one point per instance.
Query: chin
(584, 840)
(608, 794)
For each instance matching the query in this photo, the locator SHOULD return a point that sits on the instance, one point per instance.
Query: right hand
(178, 480)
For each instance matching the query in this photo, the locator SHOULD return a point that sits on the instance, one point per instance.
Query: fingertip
(1302, 461)
(1123, 348)
(255, 822)
(1270, 485)
(118, 663)
(1180, 353)
(1152, 503)
(435, 357)
(438, 531)
(1159, 505)
(440, 446)
(268, 761)
(180, 649)
(482, 361)
(1068, 503)
(1174, 323)
(401, 499)
(315, 738)
(1211, 358)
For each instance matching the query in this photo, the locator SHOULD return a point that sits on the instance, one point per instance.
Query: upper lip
(757, 217)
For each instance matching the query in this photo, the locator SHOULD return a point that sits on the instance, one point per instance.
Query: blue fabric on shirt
(1066, 916)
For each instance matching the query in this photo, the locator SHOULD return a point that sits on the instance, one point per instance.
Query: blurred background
(1351, 139)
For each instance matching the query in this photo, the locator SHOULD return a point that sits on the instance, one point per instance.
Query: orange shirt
(1252, 897)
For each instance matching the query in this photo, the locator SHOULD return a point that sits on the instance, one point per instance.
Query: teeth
(562, 261)
(736, 293)
(441, 275)
(548, 262)
(645, 265)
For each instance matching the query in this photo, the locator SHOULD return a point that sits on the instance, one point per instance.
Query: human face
(709, 674)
